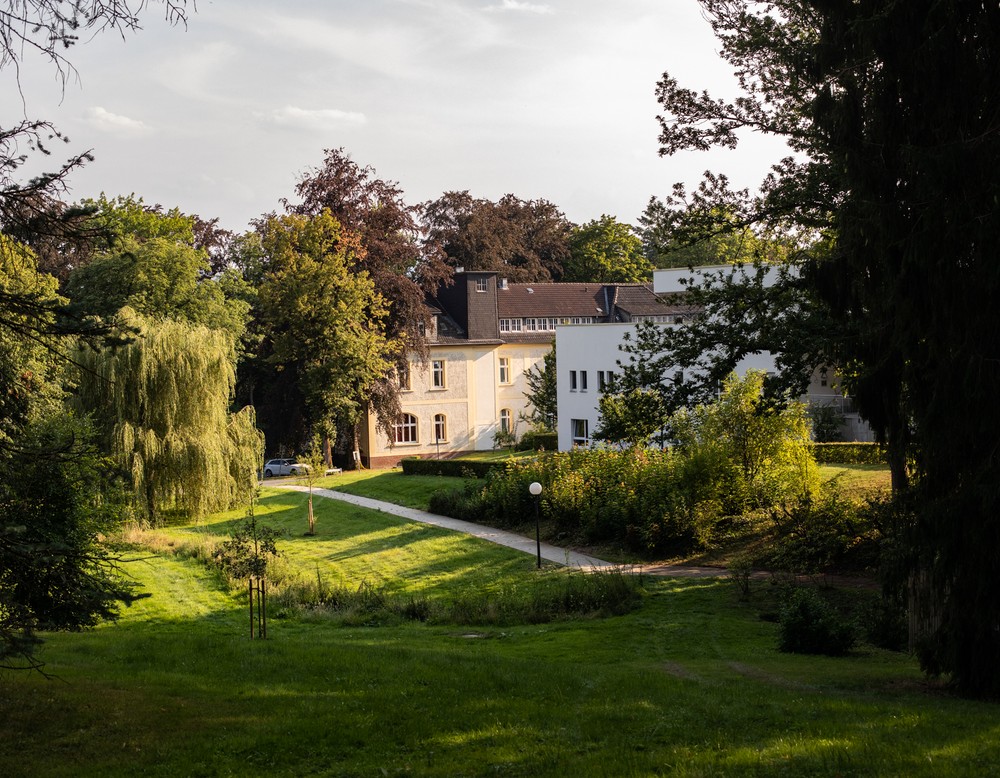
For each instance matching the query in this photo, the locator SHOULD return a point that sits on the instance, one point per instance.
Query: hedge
(456, 467)
(849, 453)
(538, 441)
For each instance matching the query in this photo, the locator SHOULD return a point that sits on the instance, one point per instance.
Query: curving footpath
(550, 553)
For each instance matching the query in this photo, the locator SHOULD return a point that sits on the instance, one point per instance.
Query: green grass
(691, 684)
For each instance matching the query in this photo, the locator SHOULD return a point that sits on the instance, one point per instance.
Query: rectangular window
(581, 430)
(601, 381)
(482, 284)
(437, 374)
(510, 325)
(572, 380)
(529, 325)
(440, 428)
(505, 370)
(583, 380)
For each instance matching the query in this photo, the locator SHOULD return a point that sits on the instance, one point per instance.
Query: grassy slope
(689, 685)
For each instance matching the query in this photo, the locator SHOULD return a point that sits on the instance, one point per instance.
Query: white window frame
(506, 420)
(577, 426)
(505, 370)
(405, 431)
(440, 428)
(439, 374)
(482, 284)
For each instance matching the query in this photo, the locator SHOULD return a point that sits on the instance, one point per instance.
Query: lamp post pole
(536, 491)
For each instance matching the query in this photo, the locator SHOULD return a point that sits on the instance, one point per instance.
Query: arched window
(506, 419)
(440, 427)
(405, 429)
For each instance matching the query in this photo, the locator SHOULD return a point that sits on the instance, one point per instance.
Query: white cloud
(114, 123)
(312, 119)
(515, 5)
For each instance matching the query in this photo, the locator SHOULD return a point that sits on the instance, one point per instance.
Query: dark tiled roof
(518, 301)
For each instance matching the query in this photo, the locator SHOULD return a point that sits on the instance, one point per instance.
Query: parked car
(275, 467)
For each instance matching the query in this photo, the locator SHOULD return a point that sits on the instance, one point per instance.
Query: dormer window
(482, 284)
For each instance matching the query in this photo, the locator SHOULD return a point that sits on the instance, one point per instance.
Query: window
(440, 427)
(602, 382)
(403, 377)
(510, 325)
(572, 380)
(530, 325)
(505, 370)
(405, 429)
(421, 328)
(580, 429)
(437, 374)
(583, 380)
(482, 284)
(506, 417)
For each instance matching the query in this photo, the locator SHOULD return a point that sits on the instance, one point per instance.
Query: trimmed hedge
(538, 441)
(849, 453)
(461, 468)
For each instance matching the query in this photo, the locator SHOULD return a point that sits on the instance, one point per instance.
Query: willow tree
(162, 401)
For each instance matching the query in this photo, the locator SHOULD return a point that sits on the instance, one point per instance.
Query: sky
(551, 99)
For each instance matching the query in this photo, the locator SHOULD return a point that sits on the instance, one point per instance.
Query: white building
(587, 354)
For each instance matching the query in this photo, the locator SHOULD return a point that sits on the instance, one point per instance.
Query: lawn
(690, 684)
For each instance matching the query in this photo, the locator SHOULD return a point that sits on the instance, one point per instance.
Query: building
(589, 354)
(484, 334)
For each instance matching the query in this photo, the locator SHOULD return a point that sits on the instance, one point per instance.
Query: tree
(323, 321)
(631, 418)
(606, 251)
(677, 233)
(523, 240)
(54, 574)
(542, 391)
(891, 108)
(389, 248)
(161, 402)
(769, 446)
(149, 263)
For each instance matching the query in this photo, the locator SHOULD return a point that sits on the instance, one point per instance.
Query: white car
(274, 467)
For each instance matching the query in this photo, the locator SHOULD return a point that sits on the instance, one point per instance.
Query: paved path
(561, 556)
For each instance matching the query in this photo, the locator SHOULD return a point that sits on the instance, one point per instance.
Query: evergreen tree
(891, 107)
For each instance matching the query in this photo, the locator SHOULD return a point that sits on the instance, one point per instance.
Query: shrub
(537, 440)
(809, 625)
(823, 535)
(849, 453)
(460, 468)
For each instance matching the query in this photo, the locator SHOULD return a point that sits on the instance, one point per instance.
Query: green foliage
(152, 266)
(161, 402)
(849, 453)
(809, 625)
(892, 145)
(249, 551)
(453, 467)
(768, 446)
(322, 319)
(57, 496)
(632, 417)
(825, 534)
(538, 440)
(559, 596)
(542, 392)
(606, 251)
(827, 423)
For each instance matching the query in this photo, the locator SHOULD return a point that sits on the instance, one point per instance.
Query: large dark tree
(524, 240)
(893, 110)
(390, 247)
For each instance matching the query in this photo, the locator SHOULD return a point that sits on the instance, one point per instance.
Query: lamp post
(536, 489)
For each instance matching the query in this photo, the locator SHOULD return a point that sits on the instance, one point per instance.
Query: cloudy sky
(545, 99)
